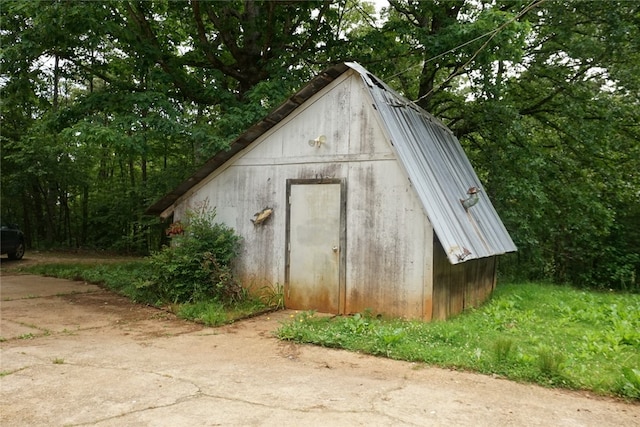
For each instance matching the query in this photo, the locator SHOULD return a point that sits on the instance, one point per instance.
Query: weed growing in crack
(28, 336)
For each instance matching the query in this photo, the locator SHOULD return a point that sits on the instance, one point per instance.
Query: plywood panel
(480, 280)
(427, 309)
(462, 286)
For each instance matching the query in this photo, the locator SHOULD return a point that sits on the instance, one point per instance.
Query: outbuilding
(352, 197)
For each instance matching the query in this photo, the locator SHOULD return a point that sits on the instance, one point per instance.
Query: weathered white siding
(389, 250)
(389, 238)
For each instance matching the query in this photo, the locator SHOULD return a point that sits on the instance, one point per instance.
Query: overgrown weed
(193, 276)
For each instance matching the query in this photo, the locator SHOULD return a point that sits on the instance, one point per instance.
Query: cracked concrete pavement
(73, 354)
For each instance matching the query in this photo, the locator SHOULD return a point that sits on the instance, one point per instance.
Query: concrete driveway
(73, 354)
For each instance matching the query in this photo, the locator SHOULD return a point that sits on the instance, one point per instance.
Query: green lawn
(551, 335)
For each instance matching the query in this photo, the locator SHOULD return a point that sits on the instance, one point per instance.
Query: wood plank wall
(460, 286)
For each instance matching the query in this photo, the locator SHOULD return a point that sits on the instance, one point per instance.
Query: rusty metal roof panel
(441, 174)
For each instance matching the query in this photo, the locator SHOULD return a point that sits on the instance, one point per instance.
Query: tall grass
(547, 334)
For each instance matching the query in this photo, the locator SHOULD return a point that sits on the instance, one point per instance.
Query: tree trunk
(85, 215)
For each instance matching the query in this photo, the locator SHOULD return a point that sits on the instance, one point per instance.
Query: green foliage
(555, 336)
(210, 313)
(550, 363)
(197, 265)
(215, 313)
(271, 296)
(556, 150)
(629, 384)
(28, 336)
(117, 276)
(502, 349)
(538, 100)
(106, 106)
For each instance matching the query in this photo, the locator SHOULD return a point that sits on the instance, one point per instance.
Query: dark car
(11, 240)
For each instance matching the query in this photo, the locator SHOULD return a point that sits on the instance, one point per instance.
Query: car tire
(19, 252)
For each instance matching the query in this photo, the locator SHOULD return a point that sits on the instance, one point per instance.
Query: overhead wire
(491, 34)
(484, 45)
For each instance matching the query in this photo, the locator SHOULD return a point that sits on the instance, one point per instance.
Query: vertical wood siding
(460, 286)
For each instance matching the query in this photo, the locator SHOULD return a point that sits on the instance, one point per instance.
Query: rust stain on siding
(427, 309)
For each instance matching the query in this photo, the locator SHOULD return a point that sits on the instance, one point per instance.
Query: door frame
(342, 263)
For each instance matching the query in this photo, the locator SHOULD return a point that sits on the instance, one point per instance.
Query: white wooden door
(314, 247)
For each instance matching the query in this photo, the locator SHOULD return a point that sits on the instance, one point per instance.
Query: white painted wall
(389, 238)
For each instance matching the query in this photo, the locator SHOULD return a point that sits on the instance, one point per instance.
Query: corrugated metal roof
(441, 174)
(431, 155)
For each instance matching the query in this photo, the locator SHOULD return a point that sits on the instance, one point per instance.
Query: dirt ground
(74, 354)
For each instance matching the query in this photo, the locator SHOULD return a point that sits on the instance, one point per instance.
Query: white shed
(366, 194)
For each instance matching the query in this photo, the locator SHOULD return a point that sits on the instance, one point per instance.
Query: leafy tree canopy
(108, 104)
